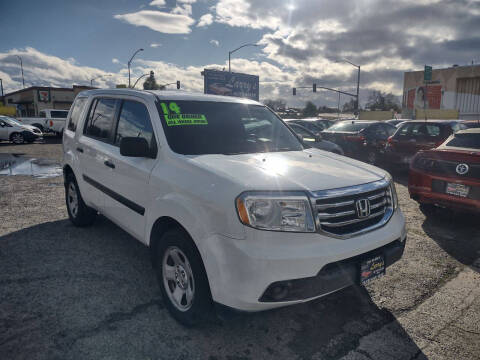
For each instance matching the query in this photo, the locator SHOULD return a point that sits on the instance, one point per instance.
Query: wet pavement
(17, 164)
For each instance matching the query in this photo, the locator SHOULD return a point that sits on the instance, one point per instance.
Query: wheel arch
(160, 226)
(67, 170)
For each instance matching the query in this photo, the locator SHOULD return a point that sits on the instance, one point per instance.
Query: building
(455, 88)
(30, 101)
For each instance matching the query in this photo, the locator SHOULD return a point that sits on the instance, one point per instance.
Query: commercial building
(454, 88)
(30, 101)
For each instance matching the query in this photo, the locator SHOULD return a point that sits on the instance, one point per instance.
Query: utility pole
(21, 66)
(1, 87)
(129, 62)
(98, 77)
(357, 102)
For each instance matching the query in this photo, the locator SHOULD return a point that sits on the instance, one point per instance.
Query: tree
(349, 106)
(310, 109)
(378, 100)
(276, 104)
(150, 83)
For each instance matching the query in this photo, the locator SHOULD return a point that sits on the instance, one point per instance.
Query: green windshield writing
(174, 117)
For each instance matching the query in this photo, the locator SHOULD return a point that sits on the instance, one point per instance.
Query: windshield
(10, 121)
(201, 127)
(471, 141)
(348, 126)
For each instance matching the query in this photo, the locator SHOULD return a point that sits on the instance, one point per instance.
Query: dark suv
(362, 140)
(416, 135)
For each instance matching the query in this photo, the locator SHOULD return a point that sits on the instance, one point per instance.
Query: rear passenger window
(100, 119)
(75, 115)
(433, 130)
(134, 121)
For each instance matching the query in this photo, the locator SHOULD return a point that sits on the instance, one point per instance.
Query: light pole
(98, 77)
(21, 66)
(358, 82)
(133, 87)
(231, 52)
(129, 62)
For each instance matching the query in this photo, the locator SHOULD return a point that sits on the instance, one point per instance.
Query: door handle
(109, 164)
(79, 149)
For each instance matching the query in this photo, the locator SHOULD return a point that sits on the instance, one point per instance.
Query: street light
(129, 62)
(21, 66)
(133, 87)
(358, 80)
(231, 52)
(98, 77)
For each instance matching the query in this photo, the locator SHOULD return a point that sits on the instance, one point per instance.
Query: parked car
(416, 135)
(361, 139)
(471, 123)
(12, 130)
(449, 175)
(310, 125)
(314, 140)
(249, 219)
(48, 120)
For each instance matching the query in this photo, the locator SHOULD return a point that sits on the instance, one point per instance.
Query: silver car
(316, 141)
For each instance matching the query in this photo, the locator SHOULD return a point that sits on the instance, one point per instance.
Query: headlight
(392, 192)
(276, 211)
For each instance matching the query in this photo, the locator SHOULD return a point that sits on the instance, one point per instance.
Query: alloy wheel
(72, 199)
(178, 278)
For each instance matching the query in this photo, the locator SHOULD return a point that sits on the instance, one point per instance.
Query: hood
(310, 170)
(29, 127)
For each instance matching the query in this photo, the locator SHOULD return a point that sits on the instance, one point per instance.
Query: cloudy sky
(300, 42)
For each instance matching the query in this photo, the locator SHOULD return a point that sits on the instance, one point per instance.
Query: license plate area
(372, 269)
(457, 189)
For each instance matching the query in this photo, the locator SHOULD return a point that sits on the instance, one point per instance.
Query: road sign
(427, 73)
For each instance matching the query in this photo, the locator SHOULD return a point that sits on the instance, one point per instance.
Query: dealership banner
(230, 84)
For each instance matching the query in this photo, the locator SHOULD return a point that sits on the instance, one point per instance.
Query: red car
(448, 176)
(415, 135)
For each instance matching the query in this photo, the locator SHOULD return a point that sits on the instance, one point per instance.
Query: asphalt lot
(69, 293)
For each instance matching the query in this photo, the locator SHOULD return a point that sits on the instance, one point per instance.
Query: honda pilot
(235, 210)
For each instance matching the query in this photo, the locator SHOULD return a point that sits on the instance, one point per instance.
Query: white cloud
(205, 20)
(214, 42)
(115, 61)
(182, 10)
(159, 21)
(155, 45)
(159, 3)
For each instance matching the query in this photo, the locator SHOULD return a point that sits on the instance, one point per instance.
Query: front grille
(338, 214)
(448, 168)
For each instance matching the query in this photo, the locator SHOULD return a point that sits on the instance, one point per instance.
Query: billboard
(230, 84)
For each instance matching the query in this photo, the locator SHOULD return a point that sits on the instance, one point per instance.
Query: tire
(17, 138)
(182, 279)
(79, 213)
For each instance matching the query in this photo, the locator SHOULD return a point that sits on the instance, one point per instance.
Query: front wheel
(182, 278)
(17, 138)
(79, 213)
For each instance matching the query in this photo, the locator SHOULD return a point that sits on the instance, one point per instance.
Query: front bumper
(30, 136)
(241, 271)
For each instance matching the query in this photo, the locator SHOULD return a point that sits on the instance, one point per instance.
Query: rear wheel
(79, 213)
(17, 138)
(182, 278)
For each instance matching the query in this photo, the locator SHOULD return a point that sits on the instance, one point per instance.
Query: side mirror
(135, 147)
(2, 124)
(300, 137)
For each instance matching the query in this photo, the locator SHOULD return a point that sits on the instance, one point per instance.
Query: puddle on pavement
(11, 164)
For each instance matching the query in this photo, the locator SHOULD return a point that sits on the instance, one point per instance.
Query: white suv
(235, 209)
